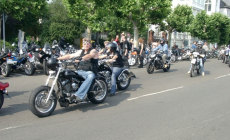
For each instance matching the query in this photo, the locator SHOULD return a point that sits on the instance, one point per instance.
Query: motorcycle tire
(37, 102)
(122, 85)
(45, 67)
(5, 69)
(166, 69)
(29, 68)
(98, 92)
(1, 100)
(192, 71)
(150, 68)
(132, 61)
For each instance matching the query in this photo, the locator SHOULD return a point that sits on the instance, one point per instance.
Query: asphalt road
(159, 106)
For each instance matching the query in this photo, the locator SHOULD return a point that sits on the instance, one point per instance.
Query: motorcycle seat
(3, 85)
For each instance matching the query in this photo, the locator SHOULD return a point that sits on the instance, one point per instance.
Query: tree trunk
(170, 38)
(88, 33)
(136, 34)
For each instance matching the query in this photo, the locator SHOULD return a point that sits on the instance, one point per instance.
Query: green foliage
(199, 26)
(7, 44)
(58, 24)
(180, 19)
(214, 28)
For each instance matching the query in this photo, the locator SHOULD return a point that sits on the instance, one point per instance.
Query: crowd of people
(116, 51)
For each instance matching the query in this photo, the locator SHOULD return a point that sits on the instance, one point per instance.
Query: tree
(23, 10)
(141, 13)
(58, 24)
(214, 28)
(179, 20)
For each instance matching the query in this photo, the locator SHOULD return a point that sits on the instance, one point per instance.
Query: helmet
(52, 63)
(162, 41)
(199, 43)
(112, 46)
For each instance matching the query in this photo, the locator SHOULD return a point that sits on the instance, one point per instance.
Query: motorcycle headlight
(152, 55)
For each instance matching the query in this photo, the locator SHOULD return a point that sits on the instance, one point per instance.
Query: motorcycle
(123, 79)
(3, 60)
(196, 63)
(133, 58)
(3, 91)
(156, 62)
(44, 99)
(40, 56)
(14, 61)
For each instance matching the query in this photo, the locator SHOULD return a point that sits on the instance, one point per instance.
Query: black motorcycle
(40, 56)
(156, 62)
(44, 99)
(123, 80)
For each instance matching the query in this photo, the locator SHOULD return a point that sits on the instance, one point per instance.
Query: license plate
(193, 61)
(10, 61)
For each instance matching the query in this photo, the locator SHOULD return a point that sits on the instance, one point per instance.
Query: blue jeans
(89, 77)
(201, 65)
(115, 73)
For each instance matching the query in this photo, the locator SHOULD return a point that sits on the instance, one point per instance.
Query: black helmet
(112, 46)
(162, 41)
(52, 63)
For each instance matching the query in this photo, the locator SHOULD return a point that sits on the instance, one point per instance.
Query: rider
(87, 62)
(200, 50)
(164, 48)
(117, 65)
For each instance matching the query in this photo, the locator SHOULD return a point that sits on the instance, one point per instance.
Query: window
(208, 5)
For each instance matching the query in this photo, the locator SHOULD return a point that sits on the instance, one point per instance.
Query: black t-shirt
(125, 45)
(119, 60)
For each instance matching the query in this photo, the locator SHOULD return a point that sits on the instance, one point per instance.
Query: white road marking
(222, 76)
(155, 93)
(11, 127)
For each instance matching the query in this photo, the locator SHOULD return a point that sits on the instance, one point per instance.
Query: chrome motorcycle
(123, 80)
(44, 99)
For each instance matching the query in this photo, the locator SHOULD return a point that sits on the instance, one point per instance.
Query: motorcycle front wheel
(1, 100)
(29, 68)
(45, 67)
(192, 71)
(124, 82)
(150, 68)
(98, 91)
(38, 104)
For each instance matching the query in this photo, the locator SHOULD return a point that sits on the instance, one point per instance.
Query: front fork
(53, 84)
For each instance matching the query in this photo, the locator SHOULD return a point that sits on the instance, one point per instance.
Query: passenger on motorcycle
(164, 48)
(201, 51)
(117, 65)
(87, 62)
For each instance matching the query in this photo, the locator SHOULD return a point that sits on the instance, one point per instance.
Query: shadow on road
(121, 96)
(12, 109)
(15, 93)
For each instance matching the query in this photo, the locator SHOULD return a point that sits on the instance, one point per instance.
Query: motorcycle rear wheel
(124, 84)
(5, 69)
(1, 100)
(98, 92)
(166, 69)
(37, 102)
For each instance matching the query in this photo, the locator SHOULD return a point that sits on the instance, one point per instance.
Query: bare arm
(93, 54)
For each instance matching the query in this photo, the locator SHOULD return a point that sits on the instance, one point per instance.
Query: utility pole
(4, 33)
